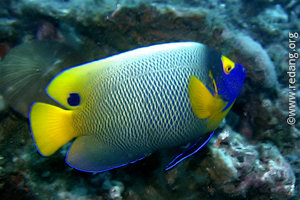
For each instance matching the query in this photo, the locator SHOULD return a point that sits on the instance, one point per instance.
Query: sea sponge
(260, 68)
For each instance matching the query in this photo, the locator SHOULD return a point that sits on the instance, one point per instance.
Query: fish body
(122, 108)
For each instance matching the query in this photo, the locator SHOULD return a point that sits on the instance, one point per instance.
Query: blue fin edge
(98, 171)
(184, 155)
(31, 132)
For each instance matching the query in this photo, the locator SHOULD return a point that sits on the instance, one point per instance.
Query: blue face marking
(230, 85)
(74, 99)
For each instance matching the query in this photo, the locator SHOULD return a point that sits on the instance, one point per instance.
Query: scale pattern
(141, 104)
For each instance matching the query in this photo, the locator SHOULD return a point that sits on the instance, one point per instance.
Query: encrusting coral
(240, 168)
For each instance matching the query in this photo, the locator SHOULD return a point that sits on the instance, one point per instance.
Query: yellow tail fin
(51, 127)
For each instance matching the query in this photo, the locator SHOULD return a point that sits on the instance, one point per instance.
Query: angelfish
(122, 108)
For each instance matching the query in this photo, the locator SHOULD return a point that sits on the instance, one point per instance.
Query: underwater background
(255, 152)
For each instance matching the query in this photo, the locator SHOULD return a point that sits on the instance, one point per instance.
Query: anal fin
(89, 154)
(188, 152)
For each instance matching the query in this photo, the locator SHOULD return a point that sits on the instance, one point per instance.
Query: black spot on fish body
(74, 99)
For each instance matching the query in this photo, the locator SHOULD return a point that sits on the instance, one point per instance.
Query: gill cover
(68, 87)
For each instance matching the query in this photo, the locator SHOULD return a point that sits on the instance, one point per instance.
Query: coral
(272, 20)
(4, 48)
(259, 66)
(294, 158)
(47, 30)
(239, 168)
(295, 15)
(279, 55)
(115, 189)
(2, 104)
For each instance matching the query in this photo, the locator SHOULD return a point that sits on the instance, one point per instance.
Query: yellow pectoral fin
(205, 105)
(200, 98)
(51, 127)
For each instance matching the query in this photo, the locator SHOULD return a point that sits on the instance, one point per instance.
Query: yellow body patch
(205, 105)
(73, 80)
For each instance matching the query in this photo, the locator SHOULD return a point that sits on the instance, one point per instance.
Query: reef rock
(239, 168)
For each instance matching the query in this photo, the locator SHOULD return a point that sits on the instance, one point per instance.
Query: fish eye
(74, 99)
(228, 65)
(228, 68)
